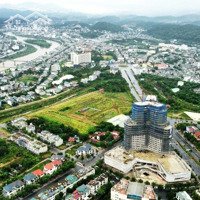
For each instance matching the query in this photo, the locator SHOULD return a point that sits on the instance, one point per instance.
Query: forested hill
(105, 26)
(185, 33)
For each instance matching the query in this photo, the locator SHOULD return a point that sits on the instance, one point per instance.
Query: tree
(59, 196)
(3, 148)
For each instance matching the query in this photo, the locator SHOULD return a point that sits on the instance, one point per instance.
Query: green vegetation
(14, 160)
(107, 140)
(185, 33)
(6, 115)
(29, 188)
(85, 111)
(97, 56)
(3, 148)
(110, 55)
(105, 26)
(179, 102)
(72, 151)
(140, 43)
(54, 127)
(28, 50)
(192, 139)
(91, 34)
(110, 83)
(38, 42)
(104, 192)
(28, 79)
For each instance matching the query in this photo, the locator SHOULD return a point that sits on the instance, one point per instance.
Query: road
(128, 76)
(184, 142)
(49, 184)
(195, 167)
(86, 163)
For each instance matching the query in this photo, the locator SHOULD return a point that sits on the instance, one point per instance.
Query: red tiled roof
(76, 195)
(197, 135)
(71, 139)
(49, 166)
(57, 162)
(38, 172)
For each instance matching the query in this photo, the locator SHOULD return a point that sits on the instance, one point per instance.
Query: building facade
(148, 129)
(78, 58)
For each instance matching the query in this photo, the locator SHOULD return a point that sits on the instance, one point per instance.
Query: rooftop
(38, 172)
(170, 162)
(133, 188)
(184, 195)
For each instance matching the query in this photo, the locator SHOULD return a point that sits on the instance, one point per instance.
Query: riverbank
(11, 63)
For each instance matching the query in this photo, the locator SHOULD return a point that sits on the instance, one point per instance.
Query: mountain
(6, 13)
(105, 26)
(185, 33)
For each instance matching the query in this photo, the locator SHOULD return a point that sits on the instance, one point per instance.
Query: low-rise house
(12, 188)
(191, 129)
(50, 168)
(73, 139)
(81, 192)
(29, 143)
(39, 173)
(115, 135)
(19, 122)
(30, 178)
(30, 128)
(197, 135)
(95, 184)
(71, 179)
(57, 157)
(183, 196)
(50, 138)
(85, 150)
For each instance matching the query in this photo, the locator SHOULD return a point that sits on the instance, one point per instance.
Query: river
(8, 64)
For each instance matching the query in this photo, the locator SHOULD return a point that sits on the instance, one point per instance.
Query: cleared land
(86, 111)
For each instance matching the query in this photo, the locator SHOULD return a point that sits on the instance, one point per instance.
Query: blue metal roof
(12, 186)
(85, 148)
(30, 177)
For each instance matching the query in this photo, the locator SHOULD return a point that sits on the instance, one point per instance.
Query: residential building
(30, 178)
(79, 58)
(12, 188)
(50, 168)
(183, 196)
(29, 143)
(95, 184)
(50, 138)
(197, 135)
(85, 150)
(191, 129)
(39, 173)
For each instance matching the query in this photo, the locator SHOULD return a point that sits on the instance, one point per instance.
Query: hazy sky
(138, 7)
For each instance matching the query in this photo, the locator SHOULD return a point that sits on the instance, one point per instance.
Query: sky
(135, 7)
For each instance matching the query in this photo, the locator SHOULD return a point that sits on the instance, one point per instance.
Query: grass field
(28, 78)
(107, 57)
(38, 42)
(28, 50)
(86, 111)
